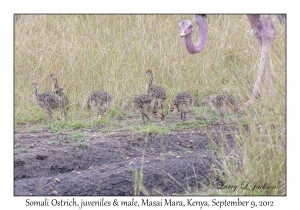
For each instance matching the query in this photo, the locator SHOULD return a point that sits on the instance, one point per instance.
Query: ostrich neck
(149, 83)
(202, 37)
(36, 94)
(55, 86)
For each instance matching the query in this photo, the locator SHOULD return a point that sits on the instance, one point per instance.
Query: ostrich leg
(264, 31)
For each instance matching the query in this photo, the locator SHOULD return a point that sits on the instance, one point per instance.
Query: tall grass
(112, 52)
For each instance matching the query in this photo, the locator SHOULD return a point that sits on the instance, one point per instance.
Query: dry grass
(111, 52)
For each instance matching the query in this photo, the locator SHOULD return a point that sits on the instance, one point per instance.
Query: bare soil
(111, 164)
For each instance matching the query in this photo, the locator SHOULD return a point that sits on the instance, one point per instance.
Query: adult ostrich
(264, 31)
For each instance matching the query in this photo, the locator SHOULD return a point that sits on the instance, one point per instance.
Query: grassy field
(112, 52)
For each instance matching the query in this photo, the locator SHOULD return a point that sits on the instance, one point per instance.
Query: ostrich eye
(191, 26)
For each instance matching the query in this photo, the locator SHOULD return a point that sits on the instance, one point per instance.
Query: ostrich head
(185, 27)
(35, 85)
(173, 109)
(148, 72)
(52, 76)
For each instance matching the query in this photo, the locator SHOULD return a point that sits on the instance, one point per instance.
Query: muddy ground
(116, 163)
(172, 163)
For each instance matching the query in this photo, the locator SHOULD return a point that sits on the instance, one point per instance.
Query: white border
(153, 6)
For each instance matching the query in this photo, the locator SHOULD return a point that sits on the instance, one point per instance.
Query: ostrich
(143, 104)
(48, 101)
(181, 103)
(64, 102)
(264, 31)
(224, 103)
(157, 92)
(100, 101)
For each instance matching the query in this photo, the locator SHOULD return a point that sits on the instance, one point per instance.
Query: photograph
(172, 105)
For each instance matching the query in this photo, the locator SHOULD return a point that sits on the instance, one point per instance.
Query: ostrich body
(64, 102)
(99, 101)
(264, 31)
(156, 92)
(223, 104)
(143, 104)
(47, 100)
(182, 103)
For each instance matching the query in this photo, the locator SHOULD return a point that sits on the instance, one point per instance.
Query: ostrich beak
(182, 34)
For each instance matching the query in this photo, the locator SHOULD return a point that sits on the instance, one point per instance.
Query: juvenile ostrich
(143, 104)
(64, 103)
(156, 92)
(182, 103)
(223, 104)
(47, 100)
(264, 31)
(99, 101)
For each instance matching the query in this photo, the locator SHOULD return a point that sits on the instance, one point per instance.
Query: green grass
(17, 145)
(34, 129)
(72, 125)
(190, 124)
(23, 150)
(52, 142)
(148, 129)
(114, 112)
(16, 138)
(205, 113)
(81, 145)
(102, 121)
(105, 130)
(76, 136)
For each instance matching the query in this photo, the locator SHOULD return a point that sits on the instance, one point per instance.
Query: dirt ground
(112, 163)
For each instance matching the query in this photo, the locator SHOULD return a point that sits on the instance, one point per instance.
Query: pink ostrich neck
(202, 36)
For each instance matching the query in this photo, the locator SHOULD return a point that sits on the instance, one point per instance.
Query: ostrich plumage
(263, 29)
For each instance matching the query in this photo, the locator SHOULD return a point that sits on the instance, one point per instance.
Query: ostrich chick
(143, 104)
(64, 102)
(47, 100)
(99, 101)
(223, 104)
(157, 92)
(182, 103)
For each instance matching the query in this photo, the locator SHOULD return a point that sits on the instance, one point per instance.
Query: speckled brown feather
(182, 103)
(143, 104)
(47, 100)
(223, 104)
(99, 101)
